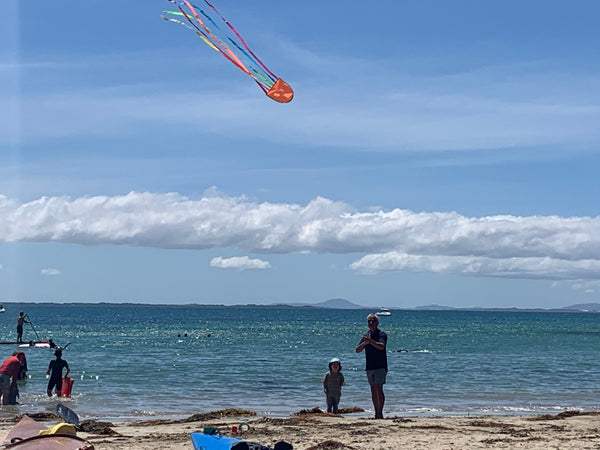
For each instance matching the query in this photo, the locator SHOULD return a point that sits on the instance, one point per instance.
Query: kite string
(195, 29)
(241, 39)
(232, 57)
(256, 68)
(208, 40)
(263, 76)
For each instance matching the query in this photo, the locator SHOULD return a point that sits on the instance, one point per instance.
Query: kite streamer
(220, 35)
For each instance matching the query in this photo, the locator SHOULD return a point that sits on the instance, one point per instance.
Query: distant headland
(334, 303)
(340, 303)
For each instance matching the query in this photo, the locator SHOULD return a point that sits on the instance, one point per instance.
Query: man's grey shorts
(376, 376)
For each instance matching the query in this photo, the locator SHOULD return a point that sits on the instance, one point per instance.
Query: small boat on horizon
(2, 308)
(383, 312)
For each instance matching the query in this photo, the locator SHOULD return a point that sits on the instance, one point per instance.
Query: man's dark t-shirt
(377, 359)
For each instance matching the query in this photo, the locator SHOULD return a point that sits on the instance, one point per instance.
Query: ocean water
(142, 361)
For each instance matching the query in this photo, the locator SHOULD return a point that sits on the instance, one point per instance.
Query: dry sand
(314, 430)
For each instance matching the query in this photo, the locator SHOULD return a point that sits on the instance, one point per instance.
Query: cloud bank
(551, 247)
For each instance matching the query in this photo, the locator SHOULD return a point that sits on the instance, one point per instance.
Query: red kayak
(25, 435)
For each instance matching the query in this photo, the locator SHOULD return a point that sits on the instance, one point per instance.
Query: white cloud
(239, 263)
(551, 247)
(50, 272)
(532, 268)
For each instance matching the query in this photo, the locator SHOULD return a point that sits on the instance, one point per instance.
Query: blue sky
(435, 152)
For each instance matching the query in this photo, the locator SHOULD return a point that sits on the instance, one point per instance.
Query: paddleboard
(38, 344)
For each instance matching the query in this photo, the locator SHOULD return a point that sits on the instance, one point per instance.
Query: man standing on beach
(374, 344)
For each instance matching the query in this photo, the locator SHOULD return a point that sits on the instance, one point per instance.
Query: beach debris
(95, 427)
(565, 415)
(490, 424)
(331, 445)
(315, 410)
(212, 415)
(200, 417)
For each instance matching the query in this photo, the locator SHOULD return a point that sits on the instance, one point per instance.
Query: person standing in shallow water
(20, 321)
(23, 370)
(55, 369)
(374, 343)
(9, 371)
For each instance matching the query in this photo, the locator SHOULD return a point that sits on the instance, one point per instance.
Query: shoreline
(315, 430)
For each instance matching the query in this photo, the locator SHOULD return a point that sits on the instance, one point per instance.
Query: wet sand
(314, 430)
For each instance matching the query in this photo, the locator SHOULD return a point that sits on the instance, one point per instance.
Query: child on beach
(332, 385)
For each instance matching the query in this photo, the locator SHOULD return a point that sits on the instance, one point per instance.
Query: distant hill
(334, 303)
(338, 303)
(341, 303)
(581, 307)
(591, 307)
(434, 308)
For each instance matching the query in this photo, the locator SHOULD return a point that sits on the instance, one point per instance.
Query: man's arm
(377, 345)
(368, 340)
(361, 345)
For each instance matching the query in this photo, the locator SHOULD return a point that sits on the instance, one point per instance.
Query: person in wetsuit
(55, 369)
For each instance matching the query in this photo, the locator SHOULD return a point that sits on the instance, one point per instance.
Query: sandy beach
(314, 430)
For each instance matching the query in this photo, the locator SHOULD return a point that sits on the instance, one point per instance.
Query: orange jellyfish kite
(220, 35)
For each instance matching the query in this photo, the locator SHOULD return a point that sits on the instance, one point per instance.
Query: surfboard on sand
(203, 441)
(67, 414)
(25, 435)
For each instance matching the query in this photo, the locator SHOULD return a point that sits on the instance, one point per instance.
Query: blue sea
(133, 362)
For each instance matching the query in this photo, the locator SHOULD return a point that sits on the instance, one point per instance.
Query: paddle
(32, 327)
(68, 415)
